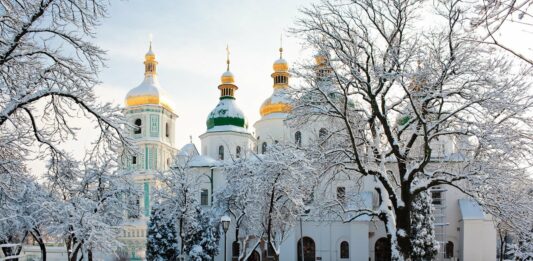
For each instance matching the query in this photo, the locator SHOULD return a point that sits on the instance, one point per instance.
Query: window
(322, 133)
(276, 142)
(345, 250)
(449, 250)
(309, 249)
(134, 160)
(221, 152)
(382, 250)
(204, 197)
(168, 162)
(264, 148)
(341, 194)
(436, 196)
(138, 126)
(167, 130)
(298, 138)
(238, 152)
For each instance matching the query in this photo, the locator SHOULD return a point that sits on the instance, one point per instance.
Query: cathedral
(462, 229)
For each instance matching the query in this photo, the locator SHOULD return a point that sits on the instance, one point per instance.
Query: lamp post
(225, 220)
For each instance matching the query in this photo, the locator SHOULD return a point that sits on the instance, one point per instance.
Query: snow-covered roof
(226, 108)
(149, 92)
(203, 161)
(227, 74)
(470, 209)
(280, 61)
(226, 113)
(149, 86)
(188, 149)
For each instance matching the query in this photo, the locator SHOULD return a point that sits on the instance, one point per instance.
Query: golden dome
(227, 78)
(280, 65)
(268, 107)
(321, 59)
(149, 91)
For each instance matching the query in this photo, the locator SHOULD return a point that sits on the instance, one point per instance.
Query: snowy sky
(189, 39)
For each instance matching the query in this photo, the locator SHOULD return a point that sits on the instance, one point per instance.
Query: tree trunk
(37, 237)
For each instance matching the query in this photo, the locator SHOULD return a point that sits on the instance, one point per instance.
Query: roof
(226, 113)
(148, 92)
(203, 161)
(470, 209)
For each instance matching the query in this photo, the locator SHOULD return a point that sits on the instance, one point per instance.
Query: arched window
(382, 250)
(322, 133)
(309, 249)
(167, 130)
(298, 138)
(138, 126)
(345, 249)
(221, 152)
(238, 152)
(168, 162)
(134, 160)
(264, 148)
(449, 250)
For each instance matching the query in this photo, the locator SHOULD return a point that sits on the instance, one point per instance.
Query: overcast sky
(189, 39)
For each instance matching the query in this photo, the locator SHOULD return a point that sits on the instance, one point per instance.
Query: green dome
(226, 117)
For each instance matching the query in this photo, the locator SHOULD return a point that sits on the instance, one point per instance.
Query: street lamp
(225, 220)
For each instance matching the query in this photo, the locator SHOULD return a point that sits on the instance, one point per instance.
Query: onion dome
(149, 91)
(278, 102)
(227, 116)
(323, 68)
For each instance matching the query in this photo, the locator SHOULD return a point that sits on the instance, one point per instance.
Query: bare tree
(48, 68)
(489, 17)
(414, 106)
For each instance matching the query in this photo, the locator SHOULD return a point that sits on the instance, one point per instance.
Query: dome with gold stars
(149, 91)
(278, 102)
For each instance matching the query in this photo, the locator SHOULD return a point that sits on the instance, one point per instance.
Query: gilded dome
(280, 65)
(148, 92)
(269, 107)
(227, 78)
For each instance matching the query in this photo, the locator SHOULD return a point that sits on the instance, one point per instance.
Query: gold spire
(150, 64)
(281, 46)
(280, 65)
(227, 87)
(227, 57)
(227, 77)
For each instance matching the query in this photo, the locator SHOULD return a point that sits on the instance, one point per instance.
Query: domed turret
(278, 102)
(227, 115)
(149, 91)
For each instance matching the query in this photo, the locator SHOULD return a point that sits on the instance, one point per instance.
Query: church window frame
(238, 152)
(264, 147)
(138, 126)
(344, 250)
(204, 197)
(221, 152)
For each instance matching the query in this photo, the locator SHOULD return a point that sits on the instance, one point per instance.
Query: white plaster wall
(478, 240)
